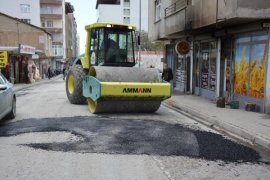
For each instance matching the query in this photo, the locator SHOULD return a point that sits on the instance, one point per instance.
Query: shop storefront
(22, 65)
(243, 60)
(205, 68)
(249, 69)
(183, 64)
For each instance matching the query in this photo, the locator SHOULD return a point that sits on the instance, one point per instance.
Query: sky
(85, 14)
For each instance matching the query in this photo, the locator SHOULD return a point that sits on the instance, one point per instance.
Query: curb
(212, 122)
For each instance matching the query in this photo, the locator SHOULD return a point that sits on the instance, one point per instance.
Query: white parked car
(7, 99)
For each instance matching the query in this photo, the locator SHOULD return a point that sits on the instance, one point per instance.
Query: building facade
(57, 18)
(216, 48)
(52, 15)
(71, 32)
(123, 11)
(28, 48)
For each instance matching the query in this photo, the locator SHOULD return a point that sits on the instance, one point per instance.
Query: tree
(150, 46)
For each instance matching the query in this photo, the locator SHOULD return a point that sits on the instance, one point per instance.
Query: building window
(43, 23)
(26, 20)
(126, 3)
(158, 10)
(25, 8)
(250, 63)
(57, 50)
(46, 10)
(126, 20)
(127, 12)
(208, 65)
(49, 23)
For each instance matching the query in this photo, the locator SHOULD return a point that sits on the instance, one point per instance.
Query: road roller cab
(105, 77)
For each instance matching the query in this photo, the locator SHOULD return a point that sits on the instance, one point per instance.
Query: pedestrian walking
(25, 69)
(49, 72)
(167, 74)
(64, 73)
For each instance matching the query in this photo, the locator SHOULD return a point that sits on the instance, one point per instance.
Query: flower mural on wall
(250, 64)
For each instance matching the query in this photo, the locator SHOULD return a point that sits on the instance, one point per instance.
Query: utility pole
(18, 33)
(140, 26)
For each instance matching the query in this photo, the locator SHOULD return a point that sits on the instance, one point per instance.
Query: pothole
(42, 137)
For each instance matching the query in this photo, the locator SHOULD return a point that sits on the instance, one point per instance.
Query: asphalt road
(105, 135)
(52, 139)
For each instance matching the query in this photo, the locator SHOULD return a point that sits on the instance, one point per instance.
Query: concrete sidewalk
(251, 126)
(21, 86)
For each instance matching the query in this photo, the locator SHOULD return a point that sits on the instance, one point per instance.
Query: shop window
(250, 63)
(208, 65)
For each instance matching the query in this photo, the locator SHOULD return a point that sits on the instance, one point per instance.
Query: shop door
(188, 73)
(226, 67)
(170, 58)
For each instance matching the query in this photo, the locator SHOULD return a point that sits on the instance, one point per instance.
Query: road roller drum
(124, 89)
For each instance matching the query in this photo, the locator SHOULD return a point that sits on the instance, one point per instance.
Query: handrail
(180, 4)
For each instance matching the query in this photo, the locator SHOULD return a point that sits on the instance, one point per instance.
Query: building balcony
(181, 16)
(229, 13)
(51, 16)
(53, 30)
(58, 38)
(51, 2)
(178, 17)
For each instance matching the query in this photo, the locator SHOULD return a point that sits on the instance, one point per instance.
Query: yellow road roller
(105, 78)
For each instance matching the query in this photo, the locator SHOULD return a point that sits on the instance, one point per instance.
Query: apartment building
(51, 15)
(216, 48)
(123, 11)
(26, 10)
(57, 17)
(70, 32)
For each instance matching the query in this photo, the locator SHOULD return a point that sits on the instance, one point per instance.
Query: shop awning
(8, 48)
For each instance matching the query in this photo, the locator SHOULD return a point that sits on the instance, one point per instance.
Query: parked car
(7, 99)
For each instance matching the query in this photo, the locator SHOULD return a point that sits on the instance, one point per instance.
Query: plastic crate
(234, 104)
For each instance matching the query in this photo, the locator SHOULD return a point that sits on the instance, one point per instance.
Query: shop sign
(205, 56)
(3, 59)
(182, 47)
(267, 25)
(35, 56)
(24, 49)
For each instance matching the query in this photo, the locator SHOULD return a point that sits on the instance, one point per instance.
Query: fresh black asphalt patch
(134, 137)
